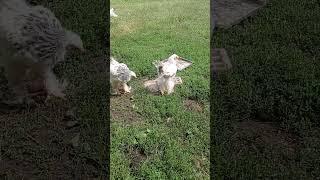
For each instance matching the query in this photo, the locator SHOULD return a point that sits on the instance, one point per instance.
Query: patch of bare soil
(200, 164)
(35, 143)
(136, 155)
(122, 109)
(265, 136)
(193, 105)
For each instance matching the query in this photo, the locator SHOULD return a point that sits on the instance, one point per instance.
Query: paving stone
(226, 13)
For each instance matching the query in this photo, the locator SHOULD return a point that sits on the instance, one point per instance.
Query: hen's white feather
(120, 75)
(112, 13)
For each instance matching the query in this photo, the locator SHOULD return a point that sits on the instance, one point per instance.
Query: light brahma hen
(36, 34)
(112, 13)
(120, 75)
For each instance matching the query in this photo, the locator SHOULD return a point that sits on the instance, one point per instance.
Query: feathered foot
(126, 88)
(54, 87)
(114, 92)
(170, 86)
(170, 91)
(162, 89)
(162, 92)
(115, 88)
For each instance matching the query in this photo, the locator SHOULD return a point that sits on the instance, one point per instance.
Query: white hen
(37, 34)
(166, 73)
(112, 13)
(167, 70)
(120, 75)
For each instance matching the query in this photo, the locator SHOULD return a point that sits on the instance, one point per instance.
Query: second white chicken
(120, 75)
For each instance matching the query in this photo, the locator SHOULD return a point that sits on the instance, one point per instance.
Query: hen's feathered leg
(53, 86)
(170, 86)
(160, 82)
(126, 88)
(114, 88)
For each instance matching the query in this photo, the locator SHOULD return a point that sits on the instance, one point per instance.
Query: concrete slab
(226, 13)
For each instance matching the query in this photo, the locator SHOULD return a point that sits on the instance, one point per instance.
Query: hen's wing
(119, 71)
(123, 73)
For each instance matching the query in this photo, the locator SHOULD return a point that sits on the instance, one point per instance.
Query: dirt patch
(193, 105)
(200, 164)
(127, 27)
(122, 109)
(265, 136)
(136, 155)
(35, 144)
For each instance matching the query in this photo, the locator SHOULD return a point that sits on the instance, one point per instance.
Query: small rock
(75, 140)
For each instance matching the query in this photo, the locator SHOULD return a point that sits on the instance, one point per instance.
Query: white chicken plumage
(120, 75)
(112, 13)
(166, 74)
(37, 34)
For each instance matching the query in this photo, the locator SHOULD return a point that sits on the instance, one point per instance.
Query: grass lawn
(161, 137)
(35, 142)
(266, 111)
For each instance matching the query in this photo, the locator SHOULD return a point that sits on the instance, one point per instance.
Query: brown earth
(193, 105)
(35, 142)
(122, 109)
(265, 136)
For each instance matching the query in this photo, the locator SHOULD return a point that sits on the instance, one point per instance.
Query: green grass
(154, 145)
(276, 71)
